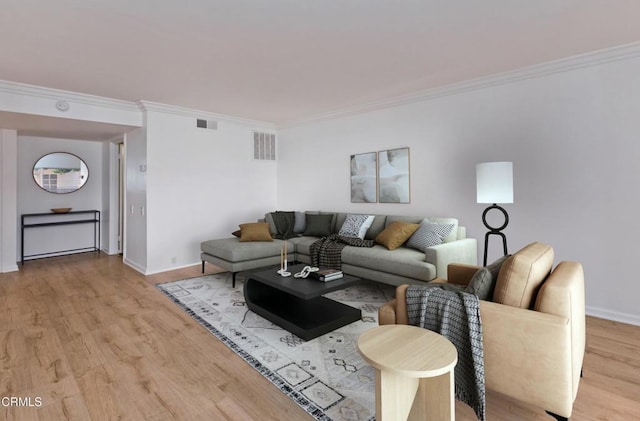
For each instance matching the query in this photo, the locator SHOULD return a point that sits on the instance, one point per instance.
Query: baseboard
(10, 268)
(616, 316)
(135, 266)
(153, 272)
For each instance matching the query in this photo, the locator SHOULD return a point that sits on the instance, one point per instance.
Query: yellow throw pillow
(396, 234)
(255, 231)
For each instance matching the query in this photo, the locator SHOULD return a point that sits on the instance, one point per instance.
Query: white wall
(33, 199)
(8, 200)
(201, 184)
(573, 139)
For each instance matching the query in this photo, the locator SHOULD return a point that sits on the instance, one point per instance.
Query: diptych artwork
(364, 188)
(393, 175)
(381, 177)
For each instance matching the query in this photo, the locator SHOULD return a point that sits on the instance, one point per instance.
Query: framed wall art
(364, 188)
(393, 176)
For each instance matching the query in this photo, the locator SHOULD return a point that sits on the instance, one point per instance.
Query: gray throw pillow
(300, 222)
(484, 280)
(318, 225)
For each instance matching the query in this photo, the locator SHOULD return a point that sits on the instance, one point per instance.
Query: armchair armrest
(459, 251)
(460, 273)
(535, 345)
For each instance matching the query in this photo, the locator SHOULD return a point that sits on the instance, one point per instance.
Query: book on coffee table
(327, 274)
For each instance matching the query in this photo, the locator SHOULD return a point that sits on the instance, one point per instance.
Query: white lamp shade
(494, 182)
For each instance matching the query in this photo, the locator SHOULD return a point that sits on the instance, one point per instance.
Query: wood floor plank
(97, 341)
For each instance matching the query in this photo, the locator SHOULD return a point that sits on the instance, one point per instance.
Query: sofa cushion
(356, 226)
(300, 222)
(396, 234)
(318, 225)
(255, 231)
(522, 274)
(429, 234)
(376, 227)
(483, 282)
(303, 244)
(401, 261)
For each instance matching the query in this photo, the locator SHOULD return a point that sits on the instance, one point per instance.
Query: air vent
(264, 146)
(207, 124)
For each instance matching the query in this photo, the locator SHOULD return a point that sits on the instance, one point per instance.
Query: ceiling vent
(264, 146)
(207, 124)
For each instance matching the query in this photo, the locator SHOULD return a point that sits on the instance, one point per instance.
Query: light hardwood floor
(95, 340)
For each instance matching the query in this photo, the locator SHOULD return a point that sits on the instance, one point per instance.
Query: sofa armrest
(461, 273)
(459, 251)
(535, 345)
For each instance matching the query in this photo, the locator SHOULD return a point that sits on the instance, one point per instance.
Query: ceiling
(284, 61)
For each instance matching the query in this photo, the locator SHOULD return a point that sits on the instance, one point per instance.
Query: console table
(50, 219)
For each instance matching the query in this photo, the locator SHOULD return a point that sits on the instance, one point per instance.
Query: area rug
(325, 376)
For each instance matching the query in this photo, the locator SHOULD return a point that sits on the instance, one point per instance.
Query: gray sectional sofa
(403, 265)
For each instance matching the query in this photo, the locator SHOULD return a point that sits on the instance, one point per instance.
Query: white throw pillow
(356, 226)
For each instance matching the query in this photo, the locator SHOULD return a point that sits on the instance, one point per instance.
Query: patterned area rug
(325, 376)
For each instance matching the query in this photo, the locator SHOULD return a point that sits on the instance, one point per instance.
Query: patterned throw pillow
(429, 235)
(356, 226)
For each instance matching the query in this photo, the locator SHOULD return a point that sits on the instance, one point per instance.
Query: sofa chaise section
(236, 256)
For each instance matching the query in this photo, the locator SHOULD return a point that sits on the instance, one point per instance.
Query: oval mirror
(60, 172)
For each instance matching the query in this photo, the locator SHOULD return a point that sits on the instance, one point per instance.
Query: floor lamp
(494, 182)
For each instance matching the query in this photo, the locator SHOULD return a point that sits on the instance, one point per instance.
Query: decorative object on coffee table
(494, 184)
(60, 210)
(284, 262)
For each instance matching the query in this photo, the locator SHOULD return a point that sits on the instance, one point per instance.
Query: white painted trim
(58, 94)
(616, 316)
(190, 112)
(188, 265)
(9, 268)
(136, 266)
(596, 58)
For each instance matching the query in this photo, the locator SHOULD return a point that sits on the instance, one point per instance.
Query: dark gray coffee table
(297, 304)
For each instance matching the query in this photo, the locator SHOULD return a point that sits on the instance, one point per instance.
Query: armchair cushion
(522, 274)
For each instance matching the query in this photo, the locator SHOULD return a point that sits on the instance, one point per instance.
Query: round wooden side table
(414, 373)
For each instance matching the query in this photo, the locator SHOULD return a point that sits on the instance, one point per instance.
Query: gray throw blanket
(284, 222)
(327, 251)
(456, 316)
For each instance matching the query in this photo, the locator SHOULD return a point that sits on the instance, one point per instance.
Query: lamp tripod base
(494, 230)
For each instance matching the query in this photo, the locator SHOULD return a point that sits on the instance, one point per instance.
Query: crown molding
(596, 58)
(190, 112)
(58, 94)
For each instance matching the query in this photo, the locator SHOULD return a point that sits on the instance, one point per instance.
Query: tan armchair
(533, 331)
